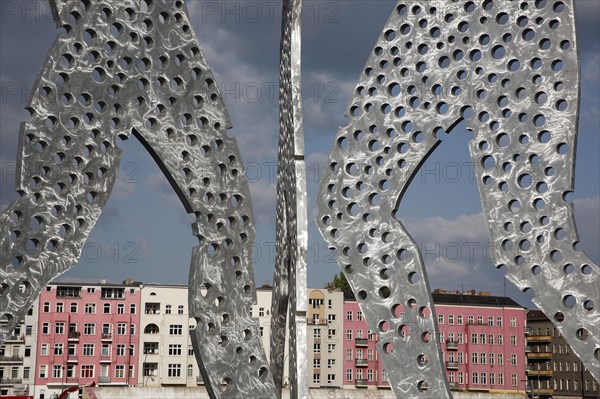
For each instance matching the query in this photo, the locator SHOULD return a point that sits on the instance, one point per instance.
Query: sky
(144, 232)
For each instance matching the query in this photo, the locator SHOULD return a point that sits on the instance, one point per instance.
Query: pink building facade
(482, 339)
(87, 333)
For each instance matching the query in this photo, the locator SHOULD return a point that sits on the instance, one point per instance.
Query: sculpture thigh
(515, 69)
(121, 69)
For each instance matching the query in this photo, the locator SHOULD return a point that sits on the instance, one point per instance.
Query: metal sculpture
(122, 67)
(289, 281)
(514, 67)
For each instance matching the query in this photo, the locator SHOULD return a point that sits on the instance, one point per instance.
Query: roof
(475, 300)
(537, 315)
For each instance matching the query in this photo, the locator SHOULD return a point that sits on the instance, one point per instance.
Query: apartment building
(482, 340)
(167, 357)
(553, 370)
(17, 357)
(87, 333)
(324, 338)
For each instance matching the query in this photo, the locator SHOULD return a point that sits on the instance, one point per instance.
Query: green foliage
(340, 282)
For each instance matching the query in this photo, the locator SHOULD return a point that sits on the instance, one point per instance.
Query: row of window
(88, 308)
(154, 308)
(331, 332)
(317, 378)
(317, 348)
(471, 320)
(85, 371)
(317, 363)
(87, 350)
(371, 375)
(566, 385)
(350, 315)
(371, 354)
(359, 334)
(482, 378)
(89, 328)
(173, 370)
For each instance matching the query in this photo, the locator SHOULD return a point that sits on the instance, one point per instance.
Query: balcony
(11, 359)
(454, 385)
(361, 342)
(15, 339)
(451, 346)
(103, 380)
(539, 355)
(361, 383)
(105, 359)
(361, 362)
(452, 365)
(74, 336)
(540, 373)
(106, 338)
(10, 381)
(199, 381)
(527, 349)
(539, 338)
(317, 322)
(72, 359)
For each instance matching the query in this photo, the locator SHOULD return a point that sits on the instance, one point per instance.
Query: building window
(132, 308)
(174, 370)
(180, 309)
(348, 374)
(89, 308)
(174, 349)
(384, 376)
(513, 322)
(60, 307)
(359, 333)
(88, 349)
(317, 333)
(370, 335)
(500, 340)
(91, 290)
(330, 363)
(461, 338)
(46, 307)
(451, 377)
(499, 321)
(474, 358)
(459, 319)
(329, 304)
(513, 340)
(59, 328)
(349, 335)
(349, 354)
(480, 320)
(106, 308)
(500, 379)
(461, 377)
(331, 333)
(491, 356)
(514, 380)
(483, 378)
(370, 355)
(491, 339)
(330, 378)
(500, 359)
(370, 375)
(475, 379)
(490, 320)
(175, 329)
(317, 363)
(73, 307)
(59, 349)
(89, 329)
(492, 379)
(261, 312)
(168, 309)
(317, 348)
(349, 315)
(43, 370)
(151, 329)
(105, 329)
(513, 359)
(440, 319)
(132, 329)
(150, 369)
(451, 319)
(316, 378)
(44, 350)
(359, 315)
(190, 371)
(121, 349)
(120, 371)
(482, 359)
(331, 317)
(330, 348)
(474, 338)
(471, 319)
(121, 328)
(482, 339)
(87, 371)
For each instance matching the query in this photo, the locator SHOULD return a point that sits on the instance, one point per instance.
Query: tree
(340, 282)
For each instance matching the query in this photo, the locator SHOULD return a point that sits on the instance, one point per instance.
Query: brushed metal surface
(122, 67)
(289, 301)
(511, 69)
